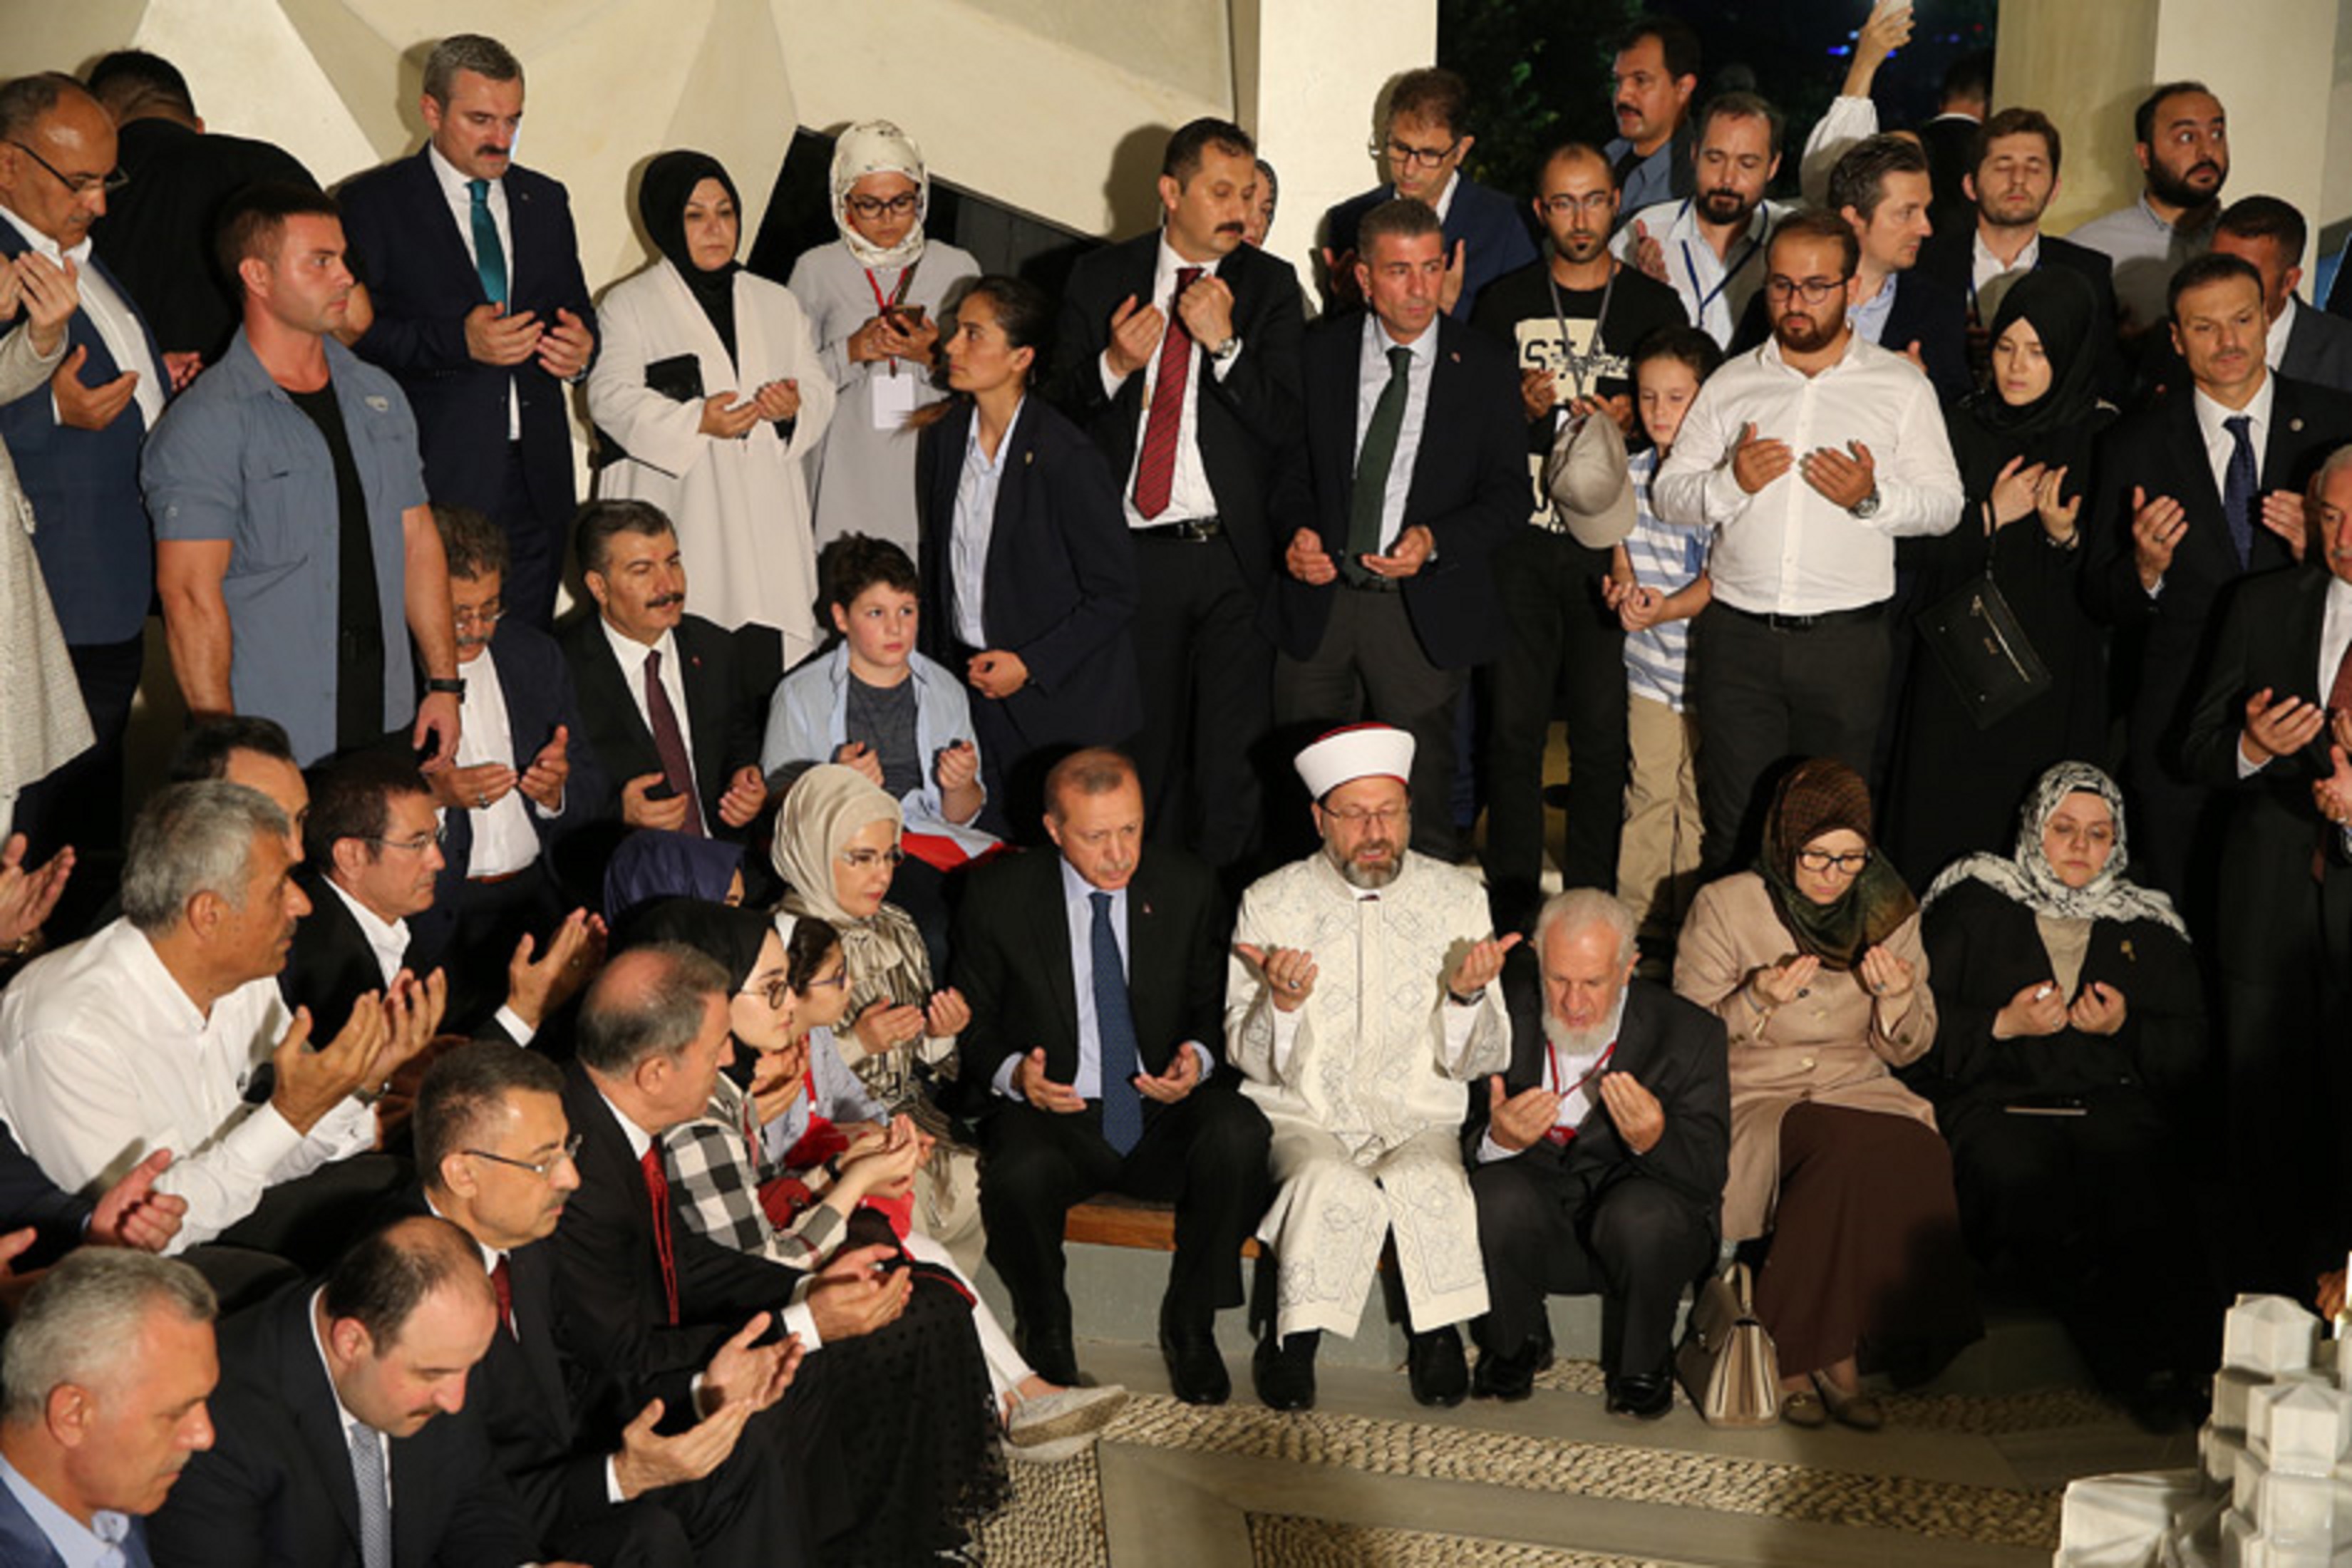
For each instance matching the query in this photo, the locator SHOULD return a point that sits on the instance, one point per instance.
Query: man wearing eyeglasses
(1809, 457)
(1420, 149)
(75, 440)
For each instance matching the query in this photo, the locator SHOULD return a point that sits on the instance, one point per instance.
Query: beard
(1577, 1043)
(1724, 206)
(1358, 874)
(2175, 190)
(1581, 245)
(1803, 334)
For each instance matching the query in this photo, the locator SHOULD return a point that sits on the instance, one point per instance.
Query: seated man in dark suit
(1097, 983)
(1599, 1161)
(660, 694)
(101, 1402)
(342, 1435)
(495, 1154)
(2304, 344)
(40, 1221)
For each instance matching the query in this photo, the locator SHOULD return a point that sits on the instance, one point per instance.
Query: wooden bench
(1115, 1220)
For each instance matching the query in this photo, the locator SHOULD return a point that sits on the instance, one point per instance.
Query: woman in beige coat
(1813, 963)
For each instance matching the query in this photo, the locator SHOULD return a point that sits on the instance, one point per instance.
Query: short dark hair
(1676, 41)
(384, 1277)
(1815, 223)
(463, 1088)
(2144, 116)
(1686, 347)
(1401, 218)
(351, 797)
(131, 82)
(1185, 148)
(1272, 180)
(1432, 92)
(2267, 217)
(625, 1020)
(804, 954)
(2013, 121)
(1968, 78)
(1858, 180)
(470, 543)
(599, 522)
(24, 99)
(1737, 106)
(1025, 312)
(2207, 268)
(204, 748)
(1578, 150)
(1098, 770)
(253, 222)
(486, 57)
(855, 561)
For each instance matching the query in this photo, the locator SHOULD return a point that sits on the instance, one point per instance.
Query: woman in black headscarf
(2024, 446)
(708, 393)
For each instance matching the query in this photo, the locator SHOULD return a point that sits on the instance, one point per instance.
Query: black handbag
(1983, 650)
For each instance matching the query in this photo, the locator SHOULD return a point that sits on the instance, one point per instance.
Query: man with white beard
(1600, 1157)
(1360, 1001)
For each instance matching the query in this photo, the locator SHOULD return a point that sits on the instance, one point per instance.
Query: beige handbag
(1726, 1363)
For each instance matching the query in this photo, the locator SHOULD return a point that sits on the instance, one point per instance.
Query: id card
(894, 397)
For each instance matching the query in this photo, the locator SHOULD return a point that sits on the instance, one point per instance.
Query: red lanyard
(1590, 1073)
(897, 296)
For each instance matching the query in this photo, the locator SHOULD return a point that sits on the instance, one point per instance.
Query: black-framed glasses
(568, 1154)
(1849, 863)
(1812, 290)
(898, 206)
(417, 845)
(773, 991)
(108, 183)
(1420, 157)
(487, 617)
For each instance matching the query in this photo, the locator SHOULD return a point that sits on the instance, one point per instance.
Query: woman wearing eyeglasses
(877, 296)
(1839, 1181)
(2072, 1045)
(708, 396)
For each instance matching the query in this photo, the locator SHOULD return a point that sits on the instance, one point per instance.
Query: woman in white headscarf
(875, 298)
(709, 385)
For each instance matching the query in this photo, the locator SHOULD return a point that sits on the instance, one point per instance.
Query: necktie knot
(1400, 363)
(481, 191)
(2238, 425)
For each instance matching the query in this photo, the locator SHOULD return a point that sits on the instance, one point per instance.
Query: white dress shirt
(975, 525)
(117, 323)
(104, 1060)
(2275, 342)
(2212, 423)
(1565, 1074)
(454, 183)
(504, 840)
(97, 1544)
(389, 943)
(1715, 289)
(1788, 550)
(1189, 494)
(1990, 278)
(1371, 378)
(631, 656)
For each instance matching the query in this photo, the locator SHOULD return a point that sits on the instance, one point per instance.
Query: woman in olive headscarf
(877, 296)
(1813, 961)
(2024, 446)
(708, 394)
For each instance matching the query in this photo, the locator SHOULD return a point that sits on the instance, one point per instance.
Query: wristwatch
(1224, 351)
(454, 686)
(1867, 507)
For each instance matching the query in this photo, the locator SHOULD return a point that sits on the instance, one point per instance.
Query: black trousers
(1763, 696)
(1208, 676)
(1566, 653)
(1207, 1153)
(1544, 1231)
(534, 541)
(81, 803)
(1370, 665)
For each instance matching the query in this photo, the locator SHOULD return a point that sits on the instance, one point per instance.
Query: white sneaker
(1066, 1414)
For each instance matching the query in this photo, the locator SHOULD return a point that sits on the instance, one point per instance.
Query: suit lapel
(326, 1446)
(530, 1271)
(1445, 369)
(1020, 452)
(1051, 931)
(706, 700)
(429, 196)
(1332, 368)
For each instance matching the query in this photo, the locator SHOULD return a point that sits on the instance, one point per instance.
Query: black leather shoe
(1050, 1356)
(1196, 1370)
(1509, 1377)
(1285, 1376)
(1435, 1365)
(1643, 1395)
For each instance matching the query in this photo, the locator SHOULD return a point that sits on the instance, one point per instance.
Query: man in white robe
(1358, 1002)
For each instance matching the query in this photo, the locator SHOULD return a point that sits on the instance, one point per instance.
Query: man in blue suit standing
(479, 310)
(76, 442)
(109, 1367)
(1422, 147)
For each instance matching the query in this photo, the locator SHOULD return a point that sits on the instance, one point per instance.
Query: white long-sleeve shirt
(1788, 550)
(104, 1060)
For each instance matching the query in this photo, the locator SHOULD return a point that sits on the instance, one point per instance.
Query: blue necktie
(2238, 490)
(489, 256)
(1122, 1109)
(376, 1499)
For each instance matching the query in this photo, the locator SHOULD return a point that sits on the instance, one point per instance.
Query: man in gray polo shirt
(296, 555)
(2182, 139)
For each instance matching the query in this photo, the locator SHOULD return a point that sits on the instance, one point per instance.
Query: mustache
(665, 601)
(1232, 228)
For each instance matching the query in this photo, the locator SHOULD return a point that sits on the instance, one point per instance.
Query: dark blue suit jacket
(28, 1196)
(1061, 588)
(96, 553)
(422, 282)
(1469, 488)
(1488, 222)
(22, 1545)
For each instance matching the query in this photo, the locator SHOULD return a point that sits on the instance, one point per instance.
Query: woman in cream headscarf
(836, 846)
(875, 298)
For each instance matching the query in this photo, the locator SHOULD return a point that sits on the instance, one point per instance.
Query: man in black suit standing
(1097, 980)
(2271, 700)
(479, 308)
(2195, 492)
(1599, 1161)
(1881, 186)
(2302, 344)
(598, 1476)
(660, 692)
(1414, 470)
(1178, 352)
(342, 1435)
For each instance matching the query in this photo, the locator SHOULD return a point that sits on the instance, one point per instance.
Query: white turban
(879, 147)
(1357, 752)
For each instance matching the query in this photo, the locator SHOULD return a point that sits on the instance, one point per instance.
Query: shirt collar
(455, 182)
(1855, 346)
(639, 1139)
(388, 942)
(1169, 261)
(1077, 892)
(2212, 414)
(1378, 342)
(78, 255)
(1982, 256)
(974, 453)
(631, 653)
(344, 1417)
(491, 1256)
(81, 1546)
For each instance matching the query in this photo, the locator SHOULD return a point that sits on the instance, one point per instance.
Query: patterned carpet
(1056, 1517)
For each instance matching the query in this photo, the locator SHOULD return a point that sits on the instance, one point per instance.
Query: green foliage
(1538, 76)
